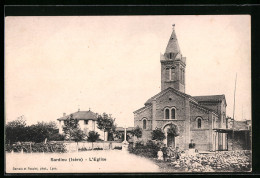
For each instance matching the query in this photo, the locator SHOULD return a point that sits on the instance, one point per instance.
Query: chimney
(64, 114)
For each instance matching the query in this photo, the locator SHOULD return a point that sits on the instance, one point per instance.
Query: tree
(42, 130)
(111, 132)
(105, 123)
(72, 130)
(16, 130)
(173, 130)
(137, 131)
(92, 137)
(78, 135)
(158, 134)
(119, 135)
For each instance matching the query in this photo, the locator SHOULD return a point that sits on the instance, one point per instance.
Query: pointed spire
(173, 46)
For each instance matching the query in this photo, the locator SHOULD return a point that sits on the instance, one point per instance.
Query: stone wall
(239, 141)
(72, 146)
(201, 139)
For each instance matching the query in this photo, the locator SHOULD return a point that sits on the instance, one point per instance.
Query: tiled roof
(140, 109)
(82, 115)
(193, 99)
(209, 98)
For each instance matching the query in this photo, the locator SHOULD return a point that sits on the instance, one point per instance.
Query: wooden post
(227, 141)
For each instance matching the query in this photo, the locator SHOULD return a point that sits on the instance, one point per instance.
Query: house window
(144, 124)
(167, 114)
(199, 123)
(86, 122)
(173, 113)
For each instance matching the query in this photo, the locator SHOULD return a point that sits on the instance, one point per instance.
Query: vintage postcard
(128, 94)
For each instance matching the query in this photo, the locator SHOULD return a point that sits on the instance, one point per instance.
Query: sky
(56, 65)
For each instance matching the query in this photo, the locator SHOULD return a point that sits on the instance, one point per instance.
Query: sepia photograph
(128, 94)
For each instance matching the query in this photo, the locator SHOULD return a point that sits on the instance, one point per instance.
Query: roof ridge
(209, 95)
(165, 90)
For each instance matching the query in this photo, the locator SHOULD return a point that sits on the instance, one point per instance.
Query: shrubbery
(118, 148)
(149, 149)
(18, 131)
(98, 149)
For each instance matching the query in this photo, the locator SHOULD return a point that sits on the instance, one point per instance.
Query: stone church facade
(196, 117)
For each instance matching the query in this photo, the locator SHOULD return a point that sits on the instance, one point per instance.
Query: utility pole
(234, 113)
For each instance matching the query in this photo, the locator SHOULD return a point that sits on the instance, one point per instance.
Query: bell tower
(173, 65)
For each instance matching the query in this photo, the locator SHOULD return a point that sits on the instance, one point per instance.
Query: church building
(195, 117)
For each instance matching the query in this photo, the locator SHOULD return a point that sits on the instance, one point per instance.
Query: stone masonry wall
(170, 99)
(145, 114)
(201, 136)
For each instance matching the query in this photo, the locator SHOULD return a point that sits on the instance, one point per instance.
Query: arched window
(173, 113)
(183, 78)
(171, 55)
(199, 123)
(144, 124)
(167, 114)
(167, 75)
(172, 73)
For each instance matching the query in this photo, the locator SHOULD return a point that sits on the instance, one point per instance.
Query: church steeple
(173, 65)
(173, 45)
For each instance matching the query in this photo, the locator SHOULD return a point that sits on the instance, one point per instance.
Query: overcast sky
(112, 64)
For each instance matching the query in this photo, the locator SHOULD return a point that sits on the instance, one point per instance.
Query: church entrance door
(170, 141)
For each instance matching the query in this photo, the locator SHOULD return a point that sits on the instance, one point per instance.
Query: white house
(87, 122)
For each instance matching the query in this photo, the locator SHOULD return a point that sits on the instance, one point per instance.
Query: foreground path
(84, 162)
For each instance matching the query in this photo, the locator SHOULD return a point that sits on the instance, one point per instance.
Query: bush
(118, 148)
(158, 134)
(98, 149)
(36, 147)
(83, 149)
(149, 150)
